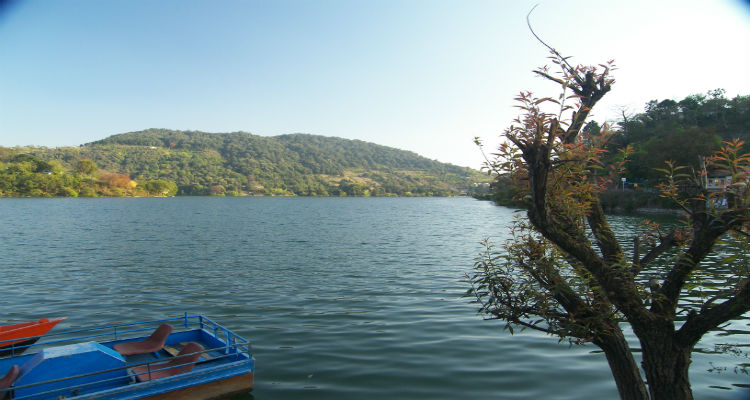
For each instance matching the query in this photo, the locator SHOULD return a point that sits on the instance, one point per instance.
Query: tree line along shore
(161, 162)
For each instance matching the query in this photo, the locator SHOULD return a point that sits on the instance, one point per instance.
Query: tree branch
(697, 324)
(561, 332)
(550, 77)
(516, 321)
(665, 244)
(706, 232)
(605, 238)
(590, 92)
(741, 232)
(528, 22)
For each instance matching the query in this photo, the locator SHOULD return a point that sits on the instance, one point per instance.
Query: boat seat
(182, 363)
(8, 379)
(153, 343)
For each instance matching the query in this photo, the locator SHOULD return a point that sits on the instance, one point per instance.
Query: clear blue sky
(420, 75)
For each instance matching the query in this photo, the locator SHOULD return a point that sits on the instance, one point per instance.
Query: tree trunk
(624, 368)
(666, 369)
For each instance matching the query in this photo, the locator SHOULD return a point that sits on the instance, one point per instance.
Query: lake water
(342, 298)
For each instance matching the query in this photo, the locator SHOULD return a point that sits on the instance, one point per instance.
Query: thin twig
(555, 52)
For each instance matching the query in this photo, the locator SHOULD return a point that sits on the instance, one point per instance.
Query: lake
(341, 297)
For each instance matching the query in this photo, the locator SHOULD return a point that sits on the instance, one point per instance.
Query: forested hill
(240, 163)
(306, 153)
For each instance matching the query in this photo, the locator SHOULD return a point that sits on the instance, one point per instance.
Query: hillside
(240, 163)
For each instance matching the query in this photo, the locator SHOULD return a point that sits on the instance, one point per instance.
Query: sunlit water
(342, 297)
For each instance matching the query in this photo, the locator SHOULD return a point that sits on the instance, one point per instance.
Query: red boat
(16, 338)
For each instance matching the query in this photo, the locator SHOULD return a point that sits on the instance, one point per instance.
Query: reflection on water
(342, 298)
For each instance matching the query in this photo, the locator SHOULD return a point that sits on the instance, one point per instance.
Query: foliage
(681, 131)
(120, 181)
(25, 175)
(565, 273)
(160, 187)
(86, 167)
(240, 163)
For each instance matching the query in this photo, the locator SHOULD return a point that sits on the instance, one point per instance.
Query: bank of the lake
(643, 202)
(342, 297)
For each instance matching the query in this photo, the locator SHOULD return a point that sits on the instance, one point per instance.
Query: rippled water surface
(342, 297)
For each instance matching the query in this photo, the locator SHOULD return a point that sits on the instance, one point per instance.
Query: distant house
(718, 182)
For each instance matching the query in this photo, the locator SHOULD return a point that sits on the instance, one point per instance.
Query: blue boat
(188, 357)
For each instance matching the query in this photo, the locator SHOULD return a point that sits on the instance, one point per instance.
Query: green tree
(86, 167)
(682, 131)
(160, 188)
(565, 273)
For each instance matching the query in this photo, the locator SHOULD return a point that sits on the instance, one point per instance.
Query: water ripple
(342, 298)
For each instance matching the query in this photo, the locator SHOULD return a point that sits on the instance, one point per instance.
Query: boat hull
(216, 390)
(18, 347)
(16, 338)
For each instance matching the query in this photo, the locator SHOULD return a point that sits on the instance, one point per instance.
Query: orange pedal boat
(16, 338)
